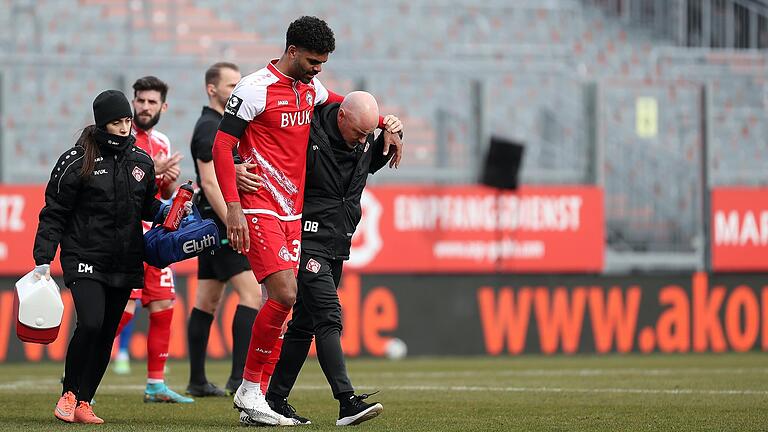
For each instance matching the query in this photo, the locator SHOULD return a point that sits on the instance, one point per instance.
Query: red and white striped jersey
(278, 110)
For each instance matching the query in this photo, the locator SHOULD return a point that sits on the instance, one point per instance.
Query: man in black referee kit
(340, 155)
(224, 264)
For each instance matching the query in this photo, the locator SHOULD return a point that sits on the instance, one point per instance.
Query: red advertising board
(19, 209)
(414, 229)
(477, 229)
(739, 229)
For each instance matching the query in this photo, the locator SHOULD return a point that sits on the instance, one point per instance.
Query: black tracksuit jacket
(97, 219)
(331, 211)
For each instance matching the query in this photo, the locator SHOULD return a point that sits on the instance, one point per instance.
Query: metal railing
(733, 24)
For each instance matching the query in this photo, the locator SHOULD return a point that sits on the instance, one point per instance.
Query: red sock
(269, 368)
(158, 339)
(125, 319)
(266, 329)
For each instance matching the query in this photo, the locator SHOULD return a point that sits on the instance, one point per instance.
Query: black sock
(343, 397)
(198, 330)
(242, 324)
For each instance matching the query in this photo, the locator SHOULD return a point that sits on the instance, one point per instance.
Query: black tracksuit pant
(99, 309)
(317, 312)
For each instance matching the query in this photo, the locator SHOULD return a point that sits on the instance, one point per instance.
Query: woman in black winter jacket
(99, 192)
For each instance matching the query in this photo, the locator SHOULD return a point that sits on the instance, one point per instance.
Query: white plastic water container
(38, 309)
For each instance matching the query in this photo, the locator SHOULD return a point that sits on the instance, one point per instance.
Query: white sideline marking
(571, 390)
(47, 385)
(573, 372)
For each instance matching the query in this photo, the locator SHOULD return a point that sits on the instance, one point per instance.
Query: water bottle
(176, 214)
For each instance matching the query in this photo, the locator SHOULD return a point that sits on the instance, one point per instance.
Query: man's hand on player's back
(246, 180)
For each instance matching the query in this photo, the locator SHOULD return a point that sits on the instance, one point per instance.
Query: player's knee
(286, 298)
(159, 305)
(130, 307)
(250, 297)
(208, 303)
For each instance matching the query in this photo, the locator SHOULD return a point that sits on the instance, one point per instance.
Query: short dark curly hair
(151, 83)
(312, 34)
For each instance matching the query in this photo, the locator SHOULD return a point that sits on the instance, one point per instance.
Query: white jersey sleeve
(249, 98)
(162, 138)
(321, 93)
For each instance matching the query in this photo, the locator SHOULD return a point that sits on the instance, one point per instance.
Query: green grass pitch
(526, 393)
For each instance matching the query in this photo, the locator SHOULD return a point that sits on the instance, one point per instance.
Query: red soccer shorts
(275, 244)
(158, 285)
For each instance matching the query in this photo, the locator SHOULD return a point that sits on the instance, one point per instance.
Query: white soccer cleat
(254, 410)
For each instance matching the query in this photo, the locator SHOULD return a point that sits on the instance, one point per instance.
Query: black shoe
(204, 390)
(282, 407)
(354, 411)
(232, 385)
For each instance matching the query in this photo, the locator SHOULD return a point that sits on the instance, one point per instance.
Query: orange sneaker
(84, 414)
(65, 407)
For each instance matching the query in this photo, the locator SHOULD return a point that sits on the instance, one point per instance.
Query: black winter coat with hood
(332, 201)
(97, 218)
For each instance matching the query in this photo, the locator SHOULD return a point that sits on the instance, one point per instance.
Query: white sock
(122, 355)
(250, 386)
(154, 381)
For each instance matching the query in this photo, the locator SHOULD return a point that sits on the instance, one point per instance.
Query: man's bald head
(358, 117)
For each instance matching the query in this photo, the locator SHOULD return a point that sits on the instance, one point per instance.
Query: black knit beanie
(110, 105)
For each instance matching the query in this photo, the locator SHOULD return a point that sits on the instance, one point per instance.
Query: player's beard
(307, 77)
(149, 124)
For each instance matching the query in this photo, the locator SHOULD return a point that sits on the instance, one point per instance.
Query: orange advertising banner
(477, 229)
(739, 229)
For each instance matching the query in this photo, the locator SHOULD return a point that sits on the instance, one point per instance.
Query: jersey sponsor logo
(137, 173)
(195, 246)
(284, 254)
(299, 118)
(313, 265)
(309, 99)
(233, 105)
(99, 172)
(282, 102)
(84, 268)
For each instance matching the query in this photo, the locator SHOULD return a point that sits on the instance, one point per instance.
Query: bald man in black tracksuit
(337, 171)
